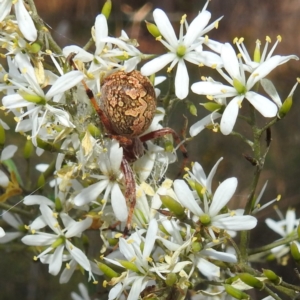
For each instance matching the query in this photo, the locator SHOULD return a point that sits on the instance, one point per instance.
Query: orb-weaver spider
(126, 109)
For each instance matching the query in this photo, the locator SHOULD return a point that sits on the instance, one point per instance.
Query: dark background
(71, 21)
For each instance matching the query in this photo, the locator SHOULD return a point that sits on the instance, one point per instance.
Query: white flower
(240, 89)
(271, 91)
(14, 221)
(132, 251)
(209, 215)
(284, 227)
(58, 241)
(35, 116)
(24, 20)
(2, 232)
(251, 65)
(187, 47)
(109, 182)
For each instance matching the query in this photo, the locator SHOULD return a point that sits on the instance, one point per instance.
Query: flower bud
(106, 9)
(240, 88)
(235, 293)
(192, 108)
(129, 265)
(152, 28)
(58, 205)
(169, 146)
(28, 149)
(41, 181)
(109, 272)
(196, 247)
(212, 106)
(251, 280)
(32, 98)
(286, 106)
(171, 279)
(94, 130)
(174, 206)
(295, 252)
(33, 48)
(2, 136)
(272, 276)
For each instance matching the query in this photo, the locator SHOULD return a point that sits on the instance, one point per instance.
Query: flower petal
(157, 64)
(236, 223)
(181, 80)
(230, 114)
(186, 198)
(200, 125)
(222, 195)
(165, 27)
(64, 83)
(25, 22)
(118, 203)
(266, 107)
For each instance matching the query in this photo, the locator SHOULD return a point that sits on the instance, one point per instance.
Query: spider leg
(130, 192)
(92, 98)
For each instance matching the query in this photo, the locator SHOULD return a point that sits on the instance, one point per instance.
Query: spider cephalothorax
(126, 108)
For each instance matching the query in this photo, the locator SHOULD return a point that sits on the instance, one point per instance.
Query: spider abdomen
(128, 101)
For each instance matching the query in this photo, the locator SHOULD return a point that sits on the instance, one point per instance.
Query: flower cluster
(159, 235)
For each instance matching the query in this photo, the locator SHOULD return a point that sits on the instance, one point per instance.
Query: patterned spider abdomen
(128, 101)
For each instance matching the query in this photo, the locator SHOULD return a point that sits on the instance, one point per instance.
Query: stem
(273, 245)
(15, 210)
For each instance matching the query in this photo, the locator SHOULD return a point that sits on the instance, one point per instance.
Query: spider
(126, 109)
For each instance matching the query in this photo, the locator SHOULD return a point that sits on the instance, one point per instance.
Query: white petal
(212, 253)
(81, 54)
(13, 220)
(8, 152)
(136, 289)
(38, 200)
(49, 218)
(181, 80)
(5, 7)
(90, 193)
(165, 27)
(2, 232)
(118, 203)
(115, 156)
(8, 236)
(25, 22)
(64, 83)
(230, 61)
(264, 69)
(291, 222)
(186, 198)
(213, 88)
(4, 180)
(150, 238)
(62, 116)
(222, 195)
(271, 91)
(56, 260)
(39, 239)
(236, 223)
(101, 31)
(196, 27)
(79, 256)
(157, 64)
(230, 114)
(200, 125)
(212, 174)
(78, 227)
(275, 227)
(266, 107)
(207, 268)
